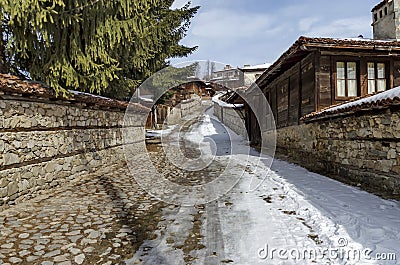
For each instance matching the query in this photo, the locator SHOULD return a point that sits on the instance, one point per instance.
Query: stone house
(238, 78)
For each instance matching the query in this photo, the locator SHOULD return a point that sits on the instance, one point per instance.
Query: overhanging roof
(304, 46)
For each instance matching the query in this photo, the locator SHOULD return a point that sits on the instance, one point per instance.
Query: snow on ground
(293, 217)
(338, 213)
(160, 133)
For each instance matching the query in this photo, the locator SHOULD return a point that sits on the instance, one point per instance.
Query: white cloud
(341, 28)
(179, 3)
(254, 31)
(219, 24)
(305, 24)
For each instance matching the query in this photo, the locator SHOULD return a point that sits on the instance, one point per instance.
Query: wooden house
(315, 73)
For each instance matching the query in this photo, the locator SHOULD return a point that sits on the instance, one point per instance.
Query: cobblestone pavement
(106, 218)
(101, 219)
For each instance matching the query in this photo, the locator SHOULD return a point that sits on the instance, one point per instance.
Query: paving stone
(39, 247)
(75, 251)
(52, 253)
(24, 253)
(24, 235)
(61, 258)
(80, 258)
(88, 249)
(74, 239)
(15, 260)
(31, 258)
(10, 245)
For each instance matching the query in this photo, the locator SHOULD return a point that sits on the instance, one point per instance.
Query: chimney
(386, 20)
(246, 65)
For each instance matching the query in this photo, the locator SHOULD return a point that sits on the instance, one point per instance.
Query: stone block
(12, 188)
(40, 182)
(50, 167)
(391, 154)
(3, 192)
(4, 182)
(23, 185)
(396, 169)
(10, 158)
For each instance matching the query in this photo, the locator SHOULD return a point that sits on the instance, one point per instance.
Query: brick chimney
(386, 20)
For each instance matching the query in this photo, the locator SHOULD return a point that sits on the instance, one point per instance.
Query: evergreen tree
(99, 46)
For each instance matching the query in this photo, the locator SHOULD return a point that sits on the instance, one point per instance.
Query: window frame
(357, 78)
(376, 79)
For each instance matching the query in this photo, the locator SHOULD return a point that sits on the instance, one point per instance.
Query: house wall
(361, 149)
(310, 84)
(292, 94)
(387, 26)
(326, 73)
(250, 77)
(46, 143)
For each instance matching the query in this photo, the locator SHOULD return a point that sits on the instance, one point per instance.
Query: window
(375, 17)
(380, 13)
(376, 77)
(386, 11)
(346, 79)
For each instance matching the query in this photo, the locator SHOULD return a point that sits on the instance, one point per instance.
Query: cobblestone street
(101, 219)
(107, 218)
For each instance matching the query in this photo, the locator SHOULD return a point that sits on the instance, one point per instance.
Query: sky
(239, 32)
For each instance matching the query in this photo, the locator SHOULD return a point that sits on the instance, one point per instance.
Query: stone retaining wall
(44, 143)
(233, 118)
(184, 110)
(361, 149)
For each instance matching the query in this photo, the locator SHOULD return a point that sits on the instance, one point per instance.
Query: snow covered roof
(377, 101)
(256, 67)
(216, 99)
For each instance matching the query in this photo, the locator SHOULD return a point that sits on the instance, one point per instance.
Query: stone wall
(361, 149)
(44, 143)
(233, 118)
(184, 110)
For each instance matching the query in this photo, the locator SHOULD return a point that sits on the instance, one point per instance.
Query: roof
(381, 4)
(256, 67)
(378, 101)
(227, 70)
(304, 46)
(14, 85)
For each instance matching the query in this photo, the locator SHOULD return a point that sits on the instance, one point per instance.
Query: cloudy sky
(241, 32)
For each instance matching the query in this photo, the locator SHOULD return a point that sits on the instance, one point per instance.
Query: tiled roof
(348, 42)
(14, 85)
(377, 101)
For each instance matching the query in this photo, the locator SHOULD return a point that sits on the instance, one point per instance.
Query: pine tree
(100, 46)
